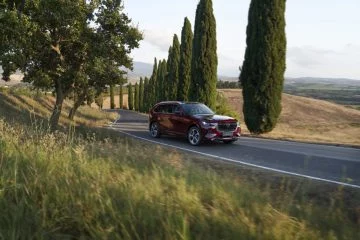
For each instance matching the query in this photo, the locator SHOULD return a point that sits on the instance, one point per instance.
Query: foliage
(166, 85)
(161, 80)
(185, 61)
(262, 74)
(204, 57)
(227, 85)
(152, 86)
(130, 97)
(136, 97)
(141, 95)
(121, 97)
(222, 107)
(173, 70)
(146, 105)
(67, 46)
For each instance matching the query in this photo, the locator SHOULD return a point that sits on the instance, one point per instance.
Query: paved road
(329, 163)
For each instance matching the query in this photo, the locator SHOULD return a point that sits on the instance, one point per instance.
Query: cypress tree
(121, 94)
(159, 83)
(173, 69)
(204, 57)
(146, 104)
(262, 74)
(130, 97)
(166, 85)
(185, 61)
(141, 95)
(112, 100)
(136, 99)
(163, 75)
(152, 85)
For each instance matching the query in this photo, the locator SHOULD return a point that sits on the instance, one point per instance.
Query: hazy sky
(323, 37)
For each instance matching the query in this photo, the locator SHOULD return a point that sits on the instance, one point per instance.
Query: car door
(160, 117)
(179, 120)
(166, 118)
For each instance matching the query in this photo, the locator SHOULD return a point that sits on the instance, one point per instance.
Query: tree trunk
(77, 104)
(54, 119)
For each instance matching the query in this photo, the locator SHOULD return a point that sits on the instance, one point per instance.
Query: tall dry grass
(66, 185)
(58, 186)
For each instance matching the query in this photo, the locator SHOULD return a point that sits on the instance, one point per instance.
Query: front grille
(227, 127)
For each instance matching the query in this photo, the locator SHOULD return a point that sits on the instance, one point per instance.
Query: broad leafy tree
(204, 57)
(262, 74)
(185, 61)
(52, 43)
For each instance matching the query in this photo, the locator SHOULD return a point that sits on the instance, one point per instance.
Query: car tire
(194, 136)
(229, 141)
(154, 130)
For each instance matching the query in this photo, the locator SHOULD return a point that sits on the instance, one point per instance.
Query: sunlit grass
(58, 186)
(68, 186)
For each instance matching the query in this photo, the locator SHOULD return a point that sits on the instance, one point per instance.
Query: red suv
(194, 120)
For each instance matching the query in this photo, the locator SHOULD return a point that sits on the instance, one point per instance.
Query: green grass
(222, 107)
(87, 186)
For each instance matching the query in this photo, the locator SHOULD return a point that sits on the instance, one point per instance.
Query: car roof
(177, 102)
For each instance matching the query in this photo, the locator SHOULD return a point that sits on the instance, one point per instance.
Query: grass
(20, 105)
(309, 120)
(68, 186)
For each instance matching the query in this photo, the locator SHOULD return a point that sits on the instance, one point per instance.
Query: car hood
(214, 118)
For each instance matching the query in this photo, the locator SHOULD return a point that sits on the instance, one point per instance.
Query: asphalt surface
(320, 162)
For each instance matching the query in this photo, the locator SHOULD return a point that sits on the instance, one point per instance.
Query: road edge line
(240, 162)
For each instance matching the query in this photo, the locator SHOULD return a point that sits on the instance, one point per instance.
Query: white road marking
(237, 161)
(243, 163)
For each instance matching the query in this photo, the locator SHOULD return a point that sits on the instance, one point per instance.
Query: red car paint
(184, 119)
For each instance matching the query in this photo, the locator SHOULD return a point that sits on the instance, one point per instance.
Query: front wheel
(194, 136)
(154, 130)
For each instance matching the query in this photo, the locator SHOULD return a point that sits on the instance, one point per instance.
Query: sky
(323, 37)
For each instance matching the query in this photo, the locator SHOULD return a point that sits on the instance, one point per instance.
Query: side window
(167, 108)
(170, 108)
(159, 109)
(177, 108)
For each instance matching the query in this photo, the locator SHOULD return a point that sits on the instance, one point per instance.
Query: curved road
(339, 165)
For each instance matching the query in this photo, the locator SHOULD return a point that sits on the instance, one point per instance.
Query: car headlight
(208, 125)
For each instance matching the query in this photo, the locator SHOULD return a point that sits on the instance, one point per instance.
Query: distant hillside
(306, 80)
(339, 90)
(308, 119)
(311, 80)
(141, 69)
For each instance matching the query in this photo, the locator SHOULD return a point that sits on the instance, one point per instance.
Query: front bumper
(213, 134)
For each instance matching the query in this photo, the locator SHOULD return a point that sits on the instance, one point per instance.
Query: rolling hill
(307, 119)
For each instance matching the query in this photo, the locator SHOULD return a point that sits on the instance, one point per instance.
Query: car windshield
(197, 109)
